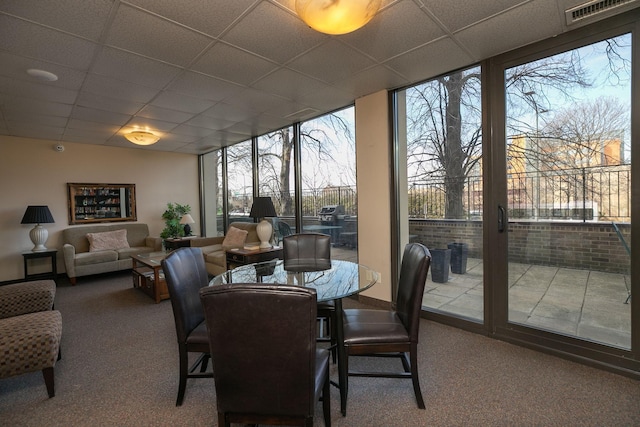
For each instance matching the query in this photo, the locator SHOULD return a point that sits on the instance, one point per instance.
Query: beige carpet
(119, 368)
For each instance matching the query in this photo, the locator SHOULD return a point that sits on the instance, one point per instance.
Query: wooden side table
(237, 257)
(49, 253)
(172, 244)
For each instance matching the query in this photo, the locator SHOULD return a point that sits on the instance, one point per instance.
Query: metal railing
(601, 193)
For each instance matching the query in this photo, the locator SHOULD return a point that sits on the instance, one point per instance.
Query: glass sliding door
(568, 154)
(440, 128)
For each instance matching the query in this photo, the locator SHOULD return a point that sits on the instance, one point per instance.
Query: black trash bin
(459, 252)
(440, 261)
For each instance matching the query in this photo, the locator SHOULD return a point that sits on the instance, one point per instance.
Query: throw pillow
(234, 239)
(107, 240)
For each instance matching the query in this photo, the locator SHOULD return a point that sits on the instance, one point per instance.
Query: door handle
(501, 219)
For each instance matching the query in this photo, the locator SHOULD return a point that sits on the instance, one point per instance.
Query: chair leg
(205, 362)
(184, 368)
(326, 401)
(414, 375)
(47, 373)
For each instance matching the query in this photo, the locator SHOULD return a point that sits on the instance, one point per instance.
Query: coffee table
(148, 275)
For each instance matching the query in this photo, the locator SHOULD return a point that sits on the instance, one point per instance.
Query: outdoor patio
(582, 303)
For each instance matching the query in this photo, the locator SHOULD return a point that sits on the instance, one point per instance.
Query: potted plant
(171, 218)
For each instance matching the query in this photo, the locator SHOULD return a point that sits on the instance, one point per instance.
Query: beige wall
(32, 172)
(373, 165)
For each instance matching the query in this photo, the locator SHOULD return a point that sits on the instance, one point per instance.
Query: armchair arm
(26, 297)
(69, 255)
(153, 242)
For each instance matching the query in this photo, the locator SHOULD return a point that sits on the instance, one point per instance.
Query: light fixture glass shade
(336, 16)
(38, 234)
(141, 137)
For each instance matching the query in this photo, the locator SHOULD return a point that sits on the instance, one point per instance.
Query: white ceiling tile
(467, 12)
(331, 61)
(154, 37)
(540, 18)
(165, 114)
(205, 87)
(288, 83)
(233, 64)
(273, 33)
(99, 116)
(134, 68)
(77, 17)
(42, 43)
(181, 102)
(430, 60)
(208, 16)
(112, 88)
(381, 39)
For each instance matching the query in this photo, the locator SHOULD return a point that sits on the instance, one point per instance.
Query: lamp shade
(262, 207)
(187, 219)
(37, 215)
(336, 16)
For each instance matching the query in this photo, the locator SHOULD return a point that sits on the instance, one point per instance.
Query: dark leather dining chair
(266, 372)
(385, 333)
(316, 247)
(185, 273)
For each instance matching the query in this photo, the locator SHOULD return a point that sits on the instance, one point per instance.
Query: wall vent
(594, 7)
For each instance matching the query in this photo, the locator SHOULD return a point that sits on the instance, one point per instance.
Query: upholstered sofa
(30, 330)
(110, 248)
(213, 248)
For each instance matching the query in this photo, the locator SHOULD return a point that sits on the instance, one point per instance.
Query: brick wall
(587, 246)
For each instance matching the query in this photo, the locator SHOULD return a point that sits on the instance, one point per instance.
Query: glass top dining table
(333, 280)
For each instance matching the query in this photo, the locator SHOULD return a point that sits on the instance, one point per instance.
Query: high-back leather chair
(387, 333)
(266, 372)
(185, 273)
(312, 250)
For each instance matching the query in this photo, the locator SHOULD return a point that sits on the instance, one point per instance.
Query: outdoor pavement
(581, 303)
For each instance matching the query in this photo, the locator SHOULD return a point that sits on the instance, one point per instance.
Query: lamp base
(187, 230)
(39, 235)
(264, 230)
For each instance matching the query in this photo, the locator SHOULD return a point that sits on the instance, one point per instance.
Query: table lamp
(186, 220)
(38, 234)
(263, 207)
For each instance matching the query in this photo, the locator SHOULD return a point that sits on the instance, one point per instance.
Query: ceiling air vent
(595, 7)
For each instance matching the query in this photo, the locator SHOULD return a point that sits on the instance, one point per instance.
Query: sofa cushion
(234, 238)
(88, 258)
(107, 240)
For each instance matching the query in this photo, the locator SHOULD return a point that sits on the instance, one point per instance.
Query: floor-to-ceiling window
(328, 180)
(212, 200)
(442, 131)
(276, 178)
(239, 181)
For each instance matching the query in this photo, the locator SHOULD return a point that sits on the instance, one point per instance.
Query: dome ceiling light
(140, 137)
(336, 16)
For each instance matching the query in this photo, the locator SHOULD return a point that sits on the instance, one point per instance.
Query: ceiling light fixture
(336, 16)
(42, 75)
(141, 137)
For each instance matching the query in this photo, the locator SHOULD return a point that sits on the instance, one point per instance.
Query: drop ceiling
(203, 74)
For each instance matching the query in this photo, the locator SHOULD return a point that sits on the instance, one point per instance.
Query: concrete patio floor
(580, 303)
